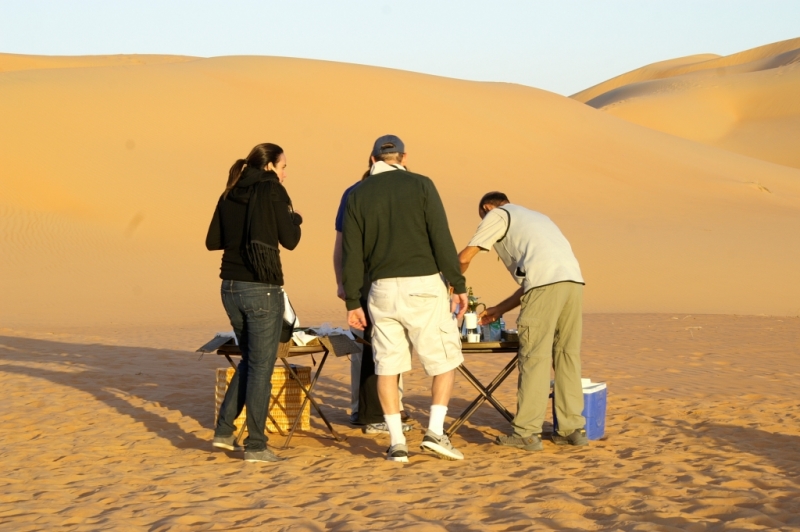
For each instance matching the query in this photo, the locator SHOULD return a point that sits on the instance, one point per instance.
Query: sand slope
(109, 175)
(745, 102)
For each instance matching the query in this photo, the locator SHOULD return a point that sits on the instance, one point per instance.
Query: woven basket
(284, 402)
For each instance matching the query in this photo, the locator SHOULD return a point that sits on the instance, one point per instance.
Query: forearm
(352, 263)
(337, 258)
(288, 224)
(511, 302)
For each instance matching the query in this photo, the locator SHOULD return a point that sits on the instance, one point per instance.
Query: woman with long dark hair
(253, 216)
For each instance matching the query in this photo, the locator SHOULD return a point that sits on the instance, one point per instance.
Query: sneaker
(383, 428)
(226, 442)
(440, 446)
(261, 456)
(397, 453)
(530, 443)
(577, 437)
(405, 418)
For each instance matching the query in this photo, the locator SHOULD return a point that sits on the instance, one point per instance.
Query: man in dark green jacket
(395, 226)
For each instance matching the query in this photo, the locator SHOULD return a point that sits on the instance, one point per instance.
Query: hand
(461, 302)
(340, 292)
(489, 315)
(356, 319)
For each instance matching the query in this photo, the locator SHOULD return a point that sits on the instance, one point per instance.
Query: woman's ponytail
(233, 176)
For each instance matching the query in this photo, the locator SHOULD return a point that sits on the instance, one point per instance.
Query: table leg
(485, 395)
(307, 393)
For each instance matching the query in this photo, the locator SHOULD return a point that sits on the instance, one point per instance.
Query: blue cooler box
(595, 395)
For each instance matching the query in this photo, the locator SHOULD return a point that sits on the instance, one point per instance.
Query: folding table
(339, 345)
(485, 391)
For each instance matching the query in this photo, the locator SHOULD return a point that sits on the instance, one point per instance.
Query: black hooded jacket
(279, 224)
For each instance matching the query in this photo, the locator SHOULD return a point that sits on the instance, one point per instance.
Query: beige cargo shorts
(413, 313)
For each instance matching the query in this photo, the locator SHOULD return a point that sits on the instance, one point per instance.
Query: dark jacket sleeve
(442, 245)
(352, 255)
(286, 220)
(214, 236)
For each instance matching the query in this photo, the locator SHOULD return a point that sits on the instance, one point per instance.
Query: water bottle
(502, 323)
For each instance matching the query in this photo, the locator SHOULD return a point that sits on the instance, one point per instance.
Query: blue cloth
(256, 314)
(342, 205)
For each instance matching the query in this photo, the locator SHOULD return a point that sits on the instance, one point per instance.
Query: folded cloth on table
(326, 330)
(302, 337)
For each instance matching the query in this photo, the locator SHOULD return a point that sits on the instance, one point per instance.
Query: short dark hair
(493, 198)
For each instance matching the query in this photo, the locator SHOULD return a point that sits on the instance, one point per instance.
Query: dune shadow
(137, 380)
(782, 451)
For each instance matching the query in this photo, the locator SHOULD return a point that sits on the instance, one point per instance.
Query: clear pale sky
(562, 46)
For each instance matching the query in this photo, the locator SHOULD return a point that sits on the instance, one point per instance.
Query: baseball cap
(388, 144)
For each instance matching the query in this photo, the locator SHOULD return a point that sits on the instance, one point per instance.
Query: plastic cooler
(595, 395)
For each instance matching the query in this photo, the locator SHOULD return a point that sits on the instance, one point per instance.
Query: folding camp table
(485, 391)
(340, 345)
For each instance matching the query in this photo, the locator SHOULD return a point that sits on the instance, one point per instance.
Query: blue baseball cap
(388, 144)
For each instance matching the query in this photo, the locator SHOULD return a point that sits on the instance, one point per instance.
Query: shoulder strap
(508, 225)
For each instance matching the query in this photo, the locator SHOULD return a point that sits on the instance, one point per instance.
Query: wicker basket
(284, 402)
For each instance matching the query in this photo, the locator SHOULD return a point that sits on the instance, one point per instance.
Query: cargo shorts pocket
(451, 339)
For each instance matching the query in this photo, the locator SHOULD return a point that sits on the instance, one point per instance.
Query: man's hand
(489, 315)
(340, 292)
(356, 319)
(460, 301)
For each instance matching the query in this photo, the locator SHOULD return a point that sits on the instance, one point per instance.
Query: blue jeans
(256, 314)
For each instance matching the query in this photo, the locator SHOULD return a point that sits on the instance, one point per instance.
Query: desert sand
(745, 102)
(702, 433)
(110, 168)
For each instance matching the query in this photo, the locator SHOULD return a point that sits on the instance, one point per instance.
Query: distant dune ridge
(746, 102)
(110, 168)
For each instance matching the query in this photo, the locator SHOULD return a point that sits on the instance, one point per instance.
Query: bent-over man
(540, 259)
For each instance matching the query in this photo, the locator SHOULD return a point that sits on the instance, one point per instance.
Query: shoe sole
(530, 448)
(227, 447)
(401, 459)
(374, 431)
(441, 452)
(569, 444)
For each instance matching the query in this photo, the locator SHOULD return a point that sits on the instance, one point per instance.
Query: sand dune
(746, 102)
(110, 175)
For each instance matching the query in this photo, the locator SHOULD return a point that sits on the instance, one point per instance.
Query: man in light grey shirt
(540, 259)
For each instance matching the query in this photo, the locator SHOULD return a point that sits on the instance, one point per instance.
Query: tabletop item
(509, 335)
(492, 332)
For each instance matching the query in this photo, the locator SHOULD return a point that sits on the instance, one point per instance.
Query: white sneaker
(440, 446)
(397, 453)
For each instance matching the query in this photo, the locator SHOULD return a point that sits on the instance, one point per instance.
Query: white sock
(436, 423)
(395, 428)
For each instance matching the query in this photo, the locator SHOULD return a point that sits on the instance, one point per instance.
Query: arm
(337, 265)
(466, 256)
(493, 313)
(352, 257)
(214, 236)
(444, 250)
(286, 220)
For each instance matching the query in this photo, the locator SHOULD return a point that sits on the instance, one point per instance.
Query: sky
(562, 46)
